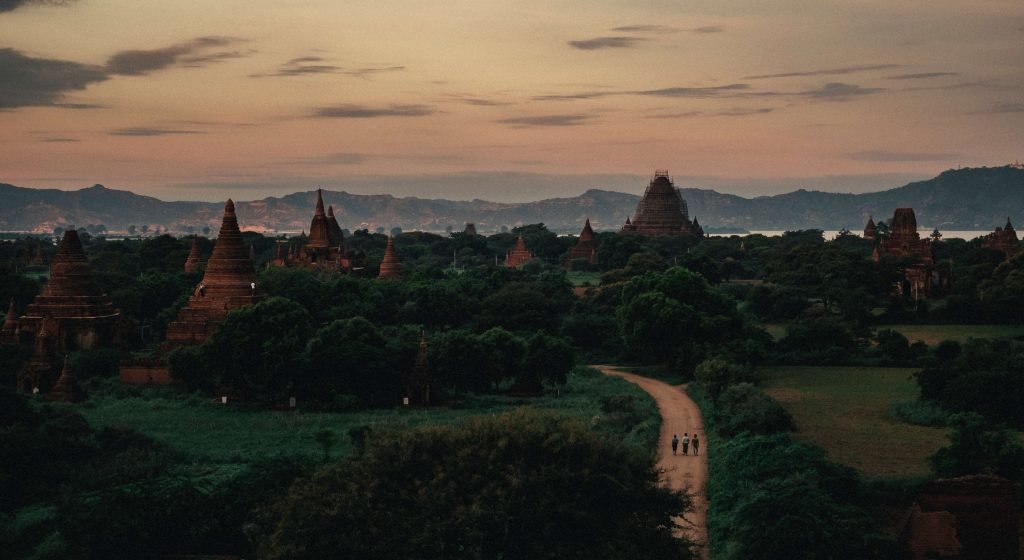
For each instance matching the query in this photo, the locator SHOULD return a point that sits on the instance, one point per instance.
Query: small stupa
(65, 389)
(586, 246)
(195, 256)
(519, 254)
(417, 388)
(390, 266)
(9, 332)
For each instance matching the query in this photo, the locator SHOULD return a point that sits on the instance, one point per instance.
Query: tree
(517, 486)
(976, 448)
(259, 349)
(548, 360)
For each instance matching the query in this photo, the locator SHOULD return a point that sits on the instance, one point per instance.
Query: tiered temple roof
(77, 314)
(586, 246)
(195, 256)
(390, 266)
(1004, 239)
(324, 247)
(519, 254)
(661, 211)
(229, 283)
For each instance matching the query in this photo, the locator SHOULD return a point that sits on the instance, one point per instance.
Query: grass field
(216, 433)
(934, 334)
(844, 410)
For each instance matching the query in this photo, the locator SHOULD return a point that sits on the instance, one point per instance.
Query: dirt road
(679, 414)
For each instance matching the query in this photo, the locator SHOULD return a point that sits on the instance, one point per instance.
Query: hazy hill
(978, 198)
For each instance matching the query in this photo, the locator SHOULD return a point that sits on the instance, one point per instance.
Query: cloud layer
(195, 53)
(351, 111)
(34, 82)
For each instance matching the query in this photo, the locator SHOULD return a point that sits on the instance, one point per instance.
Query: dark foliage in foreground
(517, 486)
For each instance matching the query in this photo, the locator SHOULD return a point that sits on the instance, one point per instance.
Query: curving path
(683, 472)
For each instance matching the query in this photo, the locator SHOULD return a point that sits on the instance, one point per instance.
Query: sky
(504, 100)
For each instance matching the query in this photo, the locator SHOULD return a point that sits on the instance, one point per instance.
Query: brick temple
(662, 211)
(1004, 239)
(923, 278)
(75, 311)
(519, 254)
(417, 386)
(228, 283)
(390, 266)
(586, 246)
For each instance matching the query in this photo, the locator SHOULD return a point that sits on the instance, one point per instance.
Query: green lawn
(845, 410)
(933, 334)
(580, 279)
(216, 433)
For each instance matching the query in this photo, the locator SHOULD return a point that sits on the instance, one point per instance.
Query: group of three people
(686, 443)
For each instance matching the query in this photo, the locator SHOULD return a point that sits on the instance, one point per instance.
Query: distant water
(829, 234)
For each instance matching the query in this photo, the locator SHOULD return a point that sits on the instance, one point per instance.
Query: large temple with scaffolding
(662, 211)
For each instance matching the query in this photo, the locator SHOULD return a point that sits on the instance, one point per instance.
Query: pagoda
(76, 312)
(228, 283)
(922, 276)
(390, 266)
(65, 389)
(662, 211)
(870, 229)
(323, 248)
(518, 255)
(586, 246)
(9, 333)
(195, 256)
(417, 388)
(470, 229)
(1004, 239)
(38, 374)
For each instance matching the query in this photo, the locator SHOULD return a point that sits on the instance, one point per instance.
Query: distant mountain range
(962, 199)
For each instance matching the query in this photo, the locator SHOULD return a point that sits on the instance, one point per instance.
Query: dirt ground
(679, 415)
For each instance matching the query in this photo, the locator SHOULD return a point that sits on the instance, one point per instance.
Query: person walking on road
(686, 443)
(696, 444)
(675, 443)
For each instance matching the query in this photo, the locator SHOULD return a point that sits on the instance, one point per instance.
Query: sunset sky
(504, 100)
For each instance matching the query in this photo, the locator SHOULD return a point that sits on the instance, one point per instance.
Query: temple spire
(319, 203)
(65, 389)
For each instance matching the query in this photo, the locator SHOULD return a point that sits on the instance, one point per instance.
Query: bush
(921, 413)
(745, 408)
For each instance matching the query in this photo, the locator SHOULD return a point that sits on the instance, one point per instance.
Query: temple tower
(9, 332)
(417, 389)
(470, 229)
(1004, 239)
(586, 246)
(228, 283)
(78, 314)
(518, 255)
(390, 266)
(38, 374)
(661, 211)
(195, 256)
